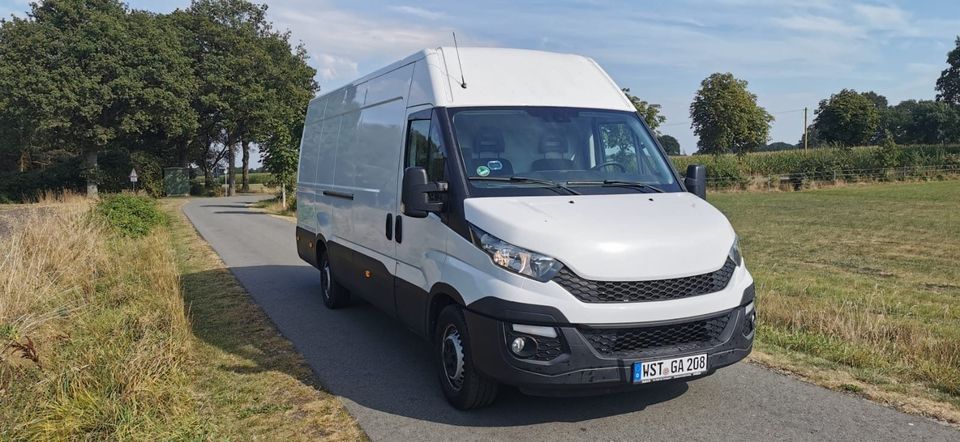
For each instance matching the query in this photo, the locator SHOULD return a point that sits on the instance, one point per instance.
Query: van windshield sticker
(495, 165)
(483, 170)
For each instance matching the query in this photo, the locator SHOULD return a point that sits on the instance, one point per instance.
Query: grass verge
(273, 206)
(94, 340)
(255, 384)
(110, 337)
(858, 288)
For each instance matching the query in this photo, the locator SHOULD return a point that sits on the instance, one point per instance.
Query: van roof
(513, 77)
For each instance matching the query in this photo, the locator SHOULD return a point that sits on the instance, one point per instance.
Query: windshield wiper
(523, 179)
(616, 183)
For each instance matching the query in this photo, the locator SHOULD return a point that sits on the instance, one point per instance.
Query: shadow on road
(239, 212)
(362, 355)
(227, 206)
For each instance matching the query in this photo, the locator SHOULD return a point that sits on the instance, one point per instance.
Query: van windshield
(587, 150)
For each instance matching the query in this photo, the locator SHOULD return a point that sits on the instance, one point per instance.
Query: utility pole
(804, 128)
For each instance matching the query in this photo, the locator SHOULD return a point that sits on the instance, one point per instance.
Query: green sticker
(483, 170)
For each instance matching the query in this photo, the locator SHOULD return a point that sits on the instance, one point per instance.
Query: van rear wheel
(464, 387)
(333, 294)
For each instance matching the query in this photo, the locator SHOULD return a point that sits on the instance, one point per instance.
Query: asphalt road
(385, 377)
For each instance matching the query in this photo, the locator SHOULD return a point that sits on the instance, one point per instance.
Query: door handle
(344, 195)
(389, 226)
(398, 230)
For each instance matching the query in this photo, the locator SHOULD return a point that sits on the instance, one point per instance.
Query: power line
(787, 111)
(687, 122)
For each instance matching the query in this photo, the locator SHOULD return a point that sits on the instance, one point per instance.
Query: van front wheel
(334, 295)
(464, 387)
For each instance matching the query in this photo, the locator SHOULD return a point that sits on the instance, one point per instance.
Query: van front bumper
(596, 359)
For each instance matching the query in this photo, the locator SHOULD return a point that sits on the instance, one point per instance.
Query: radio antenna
(463, 81)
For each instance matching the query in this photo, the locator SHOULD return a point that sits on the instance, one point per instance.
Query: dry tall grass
(95, 342)
(93, 331)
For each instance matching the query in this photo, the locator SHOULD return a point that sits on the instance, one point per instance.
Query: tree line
(91, 88)
(725, 116)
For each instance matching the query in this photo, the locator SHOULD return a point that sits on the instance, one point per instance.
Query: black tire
(464, 387)
(333, 294)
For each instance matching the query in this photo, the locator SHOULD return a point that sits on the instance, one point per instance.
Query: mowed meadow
(859, 287)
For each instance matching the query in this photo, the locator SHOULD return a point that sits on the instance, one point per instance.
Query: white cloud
(332, 67)
(882, 17)
(347, 44)
(924, 68)
(418, 12)
(818, 24)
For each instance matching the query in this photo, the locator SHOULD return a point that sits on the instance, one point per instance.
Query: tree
(883, 109)
(948, 85)
(106, 80)
(649, 112)
(878, 100)
(777, 146)
(812, 138)
(726, 117)
(290, 85)
(91, 80)
(251, 82)
(670, 144)
(847, 118)
(924, 122)
(280, 154)
(224, 37)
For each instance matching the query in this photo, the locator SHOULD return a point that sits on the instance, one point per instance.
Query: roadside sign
(133, 175)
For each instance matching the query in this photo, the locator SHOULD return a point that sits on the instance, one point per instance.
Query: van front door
(421, 242)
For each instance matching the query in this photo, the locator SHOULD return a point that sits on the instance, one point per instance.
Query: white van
(521, 216)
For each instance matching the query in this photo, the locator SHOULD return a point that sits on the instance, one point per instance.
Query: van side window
(425, 148)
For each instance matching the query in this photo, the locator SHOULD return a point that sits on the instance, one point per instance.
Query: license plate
(650, 371)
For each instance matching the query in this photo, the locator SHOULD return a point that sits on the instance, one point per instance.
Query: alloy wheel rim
(451, 354)
(325, 279)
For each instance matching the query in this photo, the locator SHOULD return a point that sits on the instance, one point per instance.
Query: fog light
(517, 345)
(750, 320)
(523, 346)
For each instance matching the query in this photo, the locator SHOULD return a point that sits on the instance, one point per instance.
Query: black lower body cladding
(591, 365)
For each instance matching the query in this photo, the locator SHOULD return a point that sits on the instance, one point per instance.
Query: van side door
(421, 242)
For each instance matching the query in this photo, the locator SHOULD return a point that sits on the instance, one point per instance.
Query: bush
(30, 185)
(115, 166)
(196, 187)
(132, 216)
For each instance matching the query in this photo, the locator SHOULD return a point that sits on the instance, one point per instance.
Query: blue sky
(792, 52)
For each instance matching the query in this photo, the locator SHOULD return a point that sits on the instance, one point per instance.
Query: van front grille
(642, 291)
(632, 342)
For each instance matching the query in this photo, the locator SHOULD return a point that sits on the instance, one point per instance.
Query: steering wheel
(610, 163)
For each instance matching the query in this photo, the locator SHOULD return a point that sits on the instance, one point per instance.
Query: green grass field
(859, 287)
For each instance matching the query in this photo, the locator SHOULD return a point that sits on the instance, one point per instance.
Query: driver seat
(553, 144)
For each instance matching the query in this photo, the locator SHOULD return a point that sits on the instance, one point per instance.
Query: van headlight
(735, 251)
(516, 259)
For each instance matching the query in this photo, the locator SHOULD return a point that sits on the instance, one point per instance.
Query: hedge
(850, 164)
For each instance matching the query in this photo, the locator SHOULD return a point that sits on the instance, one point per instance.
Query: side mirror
(416, 191)
(696, 180)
